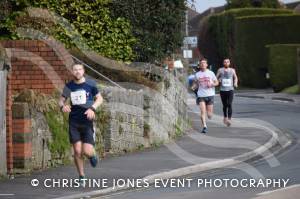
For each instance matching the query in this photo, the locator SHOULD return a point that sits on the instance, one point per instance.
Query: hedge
(252, 34)
(282, 65)
(221, 27)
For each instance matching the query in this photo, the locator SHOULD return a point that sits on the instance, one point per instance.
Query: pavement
(223, 147)
(268, 94)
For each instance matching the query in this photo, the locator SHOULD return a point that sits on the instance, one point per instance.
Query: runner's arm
(61, 101)
(63, 107)
(98, 101)
(218, 74)
(215, 82)
(235, 78)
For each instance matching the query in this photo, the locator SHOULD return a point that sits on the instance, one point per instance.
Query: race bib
(78, 97)
(226, 82)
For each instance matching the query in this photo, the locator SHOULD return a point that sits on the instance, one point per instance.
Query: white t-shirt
(205, 79)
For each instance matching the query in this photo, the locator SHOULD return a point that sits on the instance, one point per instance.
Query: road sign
(191, 40)
(187, 54)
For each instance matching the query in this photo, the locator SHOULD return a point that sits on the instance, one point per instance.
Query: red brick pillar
(22, 137)
(9, 147)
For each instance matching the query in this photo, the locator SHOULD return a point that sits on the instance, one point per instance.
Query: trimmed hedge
(282, 65)
(221, 27)
(252, 34)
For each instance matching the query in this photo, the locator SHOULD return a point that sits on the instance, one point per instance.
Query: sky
(202, 5)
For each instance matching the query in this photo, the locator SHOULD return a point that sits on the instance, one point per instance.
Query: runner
(207, 81)
(192, 84)
(81, 92)
(228, 80)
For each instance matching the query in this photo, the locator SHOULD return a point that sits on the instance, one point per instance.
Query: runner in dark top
(228, 80)
(85, 98)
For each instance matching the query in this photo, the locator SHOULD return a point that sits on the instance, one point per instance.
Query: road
(283, 115)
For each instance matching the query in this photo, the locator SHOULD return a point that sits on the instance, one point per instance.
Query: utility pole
(298, 66)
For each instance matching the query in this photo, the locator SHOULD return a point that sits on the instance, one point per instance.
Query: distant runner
(228, 80)
(207, 81)
(192, 84)
(81, 92)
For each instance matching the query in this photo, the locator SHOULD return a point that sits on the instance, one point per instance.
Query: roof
(292, 5)
(194, 22)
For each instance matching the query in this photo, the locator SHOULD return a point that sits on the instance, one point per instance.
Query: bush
(283, 65)
(252, 34)
(221, 28)
(292, 90)
(90, 24)
(157, 25)
(252, 3)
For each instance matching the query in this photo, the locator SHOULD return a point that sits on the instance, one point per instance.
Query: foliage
(283, 65)
(292, 90)
(58, 125)
(90, 24)
(251, 56)
(157, 24)
(252, 3)
(221, 28)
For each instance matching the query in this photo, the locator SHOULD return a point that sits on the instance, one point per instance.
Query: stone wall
(126, 131)
(145, 117)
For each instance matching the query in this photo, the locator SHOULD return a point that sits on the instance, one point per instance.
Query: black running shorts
(83, 132)
(208, 100)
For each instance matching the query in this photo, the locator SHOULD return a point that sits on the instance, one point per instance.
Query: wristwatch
(93, 109)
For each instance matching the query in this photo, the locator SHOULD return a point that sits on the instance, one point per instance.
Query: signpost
(298, 66)
(190, 41)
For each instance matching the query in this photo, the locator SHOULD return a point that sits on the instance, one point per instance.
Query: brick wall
(39, 65)
(21, 136)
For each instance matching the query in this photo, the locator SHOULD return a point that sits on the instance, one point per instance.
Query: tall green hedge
(282, 65)
(252, 34)
(221, 27)
(252, 3)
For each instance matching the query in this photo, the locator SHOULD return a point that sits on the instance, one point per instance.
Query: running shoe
(204, 130)
(228, 123)
(94, 160)
(82, 181)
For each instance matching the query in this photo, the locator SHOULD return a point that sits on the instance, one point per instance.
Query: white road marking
(277, 190)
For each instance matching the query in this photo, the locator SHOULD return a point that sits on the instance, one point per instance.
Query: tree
(157, 24)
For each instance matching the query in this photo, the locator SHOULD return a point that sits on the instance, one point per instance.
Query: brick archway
(39, 65)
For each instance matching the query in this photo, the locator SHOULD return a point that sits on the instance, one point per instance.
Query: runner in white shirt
(207, 81)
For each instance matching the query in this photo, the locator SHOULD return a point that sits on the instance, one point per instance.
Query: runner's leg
(88, 139)
(224, 103)
(230, 99)
(78, 158)
(210, 110)
(203, 113)
(88, 150)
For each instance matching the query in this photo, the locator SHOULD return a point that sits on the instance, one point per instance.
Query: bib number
(226, 82)
(78, 97)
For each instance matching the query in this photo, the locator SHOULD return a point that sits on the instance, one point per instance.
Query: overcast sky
(202, 5)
